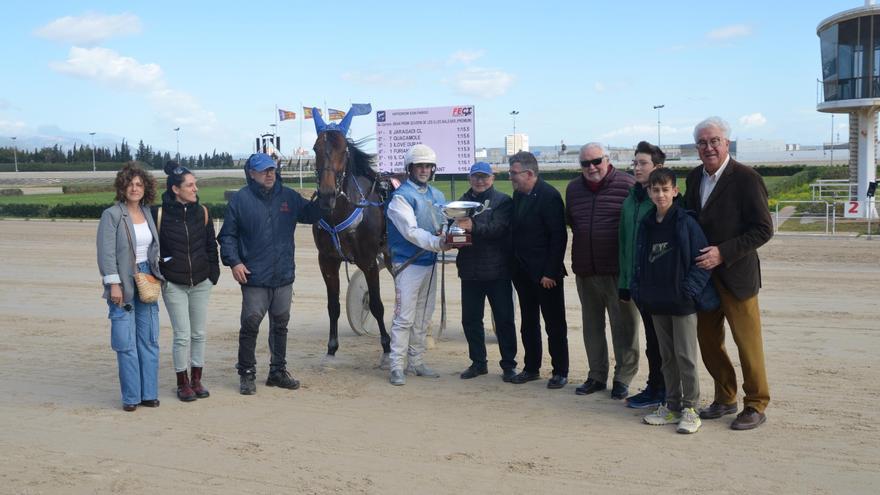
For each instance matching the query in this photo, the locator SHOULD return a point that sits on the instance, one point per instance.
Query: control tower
(850, 46)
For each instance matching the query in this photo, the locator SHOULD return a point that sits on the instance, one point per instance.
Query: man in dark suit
(731, 202)
(539, 241)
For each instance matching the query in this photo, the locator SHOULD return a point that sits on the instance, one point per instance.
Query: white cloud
(753, 120)
(482, 83)
(120, 72)
(599, 87)
(12, 127)
(184, 110)
(90, 29)
(729, 32)
(466, 56)
(109, 67)
(376, 79)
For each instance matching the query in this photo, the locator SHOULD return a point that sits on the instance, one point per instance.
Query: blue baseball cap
(481, 168)
(260, 162)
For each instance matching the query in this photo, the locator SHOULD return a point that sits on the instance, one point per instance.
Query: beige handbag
(148, 286)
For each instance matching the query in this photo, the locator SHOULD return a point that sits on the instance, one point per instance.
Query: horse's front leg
(371, 273)
(330, 271)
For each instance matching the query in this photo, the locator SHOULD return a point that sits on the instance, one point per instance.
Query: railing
(850, 88)
(803, 216)
(824, 212)
(833, 189)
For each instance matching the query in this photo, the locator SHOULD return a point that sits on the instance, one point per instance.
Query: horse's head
(331, 165)
(332, 153)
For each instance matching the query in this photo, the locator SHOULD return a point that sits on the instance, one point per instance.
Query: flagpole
(299, 151)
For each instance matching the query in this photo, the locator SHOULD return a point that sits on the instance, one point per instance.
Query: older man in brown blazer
(731, 202)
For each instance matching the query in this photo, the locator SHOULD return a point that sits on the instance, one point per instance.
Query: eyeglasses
(714, 142)
(180, 170)
(267, 171)
(595, 162)
(514, 173)
(481, 177)
(636, 163)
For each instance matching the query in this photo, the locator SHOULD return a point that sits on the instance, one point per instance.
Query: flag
(307, 112)
(361, 109)
(336, 114)
(286, 115)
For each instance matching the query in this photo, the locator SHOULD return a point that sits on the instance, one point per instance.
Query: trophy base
(457, 240)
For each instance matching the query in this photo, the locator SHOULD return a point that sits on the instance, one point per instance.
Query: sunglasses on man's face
(595, 162)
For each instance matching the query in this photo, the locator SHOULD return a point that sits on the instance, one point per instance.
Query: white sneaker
(690, 421)
(397, 377)
(422, 370)
(662, 416)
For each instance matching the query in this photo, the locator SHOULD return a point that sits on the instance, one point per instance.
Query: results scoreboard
(449, 131)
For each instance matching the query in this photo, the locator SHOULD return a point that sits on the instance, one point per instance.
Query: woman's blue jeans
(134, 335)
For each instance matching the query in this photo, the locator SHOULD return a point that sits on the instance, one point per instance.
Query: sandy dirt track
(348, 431)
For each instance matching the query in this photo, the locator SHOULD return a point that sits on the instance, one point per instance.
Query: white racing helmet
(421, 153)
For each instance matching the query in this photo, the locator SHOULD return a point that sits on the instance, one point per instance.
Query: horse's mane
(362, 161)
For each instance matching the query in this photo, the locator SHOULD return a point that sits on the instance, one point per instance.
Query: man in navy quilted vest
(414, 224)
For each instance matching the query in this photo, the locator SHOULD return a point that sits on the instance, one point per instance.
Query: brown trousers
(744, 319)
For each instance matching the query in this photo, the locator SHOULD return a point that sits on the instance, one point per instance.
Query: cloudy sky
(576, 71)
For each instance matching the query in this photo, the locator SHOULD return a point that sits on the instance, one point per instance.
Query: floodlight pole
(658, 107)
(94, 167)
(513, 113)
(177, 130)
(15, 152)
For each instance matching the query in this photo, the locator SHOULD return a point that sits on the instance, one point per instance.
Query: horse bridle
(340, 175)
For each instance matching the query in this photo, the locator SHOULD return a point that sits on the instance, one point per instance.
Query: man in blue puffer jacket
(256, 241)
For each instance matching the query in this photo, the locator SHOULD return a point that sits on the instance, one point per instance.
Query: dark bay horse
(353, 229)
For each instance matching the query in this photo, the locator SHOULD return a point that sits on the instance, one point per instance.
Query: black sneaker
(248, 384)
(283, 379)
(619, 391)
(649, 398)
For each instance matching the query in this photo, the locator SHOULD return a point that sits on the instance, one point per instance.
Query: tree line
(119, 153)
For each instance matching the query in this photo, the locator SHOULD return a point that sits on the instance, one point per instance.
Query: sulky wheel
(357, 306)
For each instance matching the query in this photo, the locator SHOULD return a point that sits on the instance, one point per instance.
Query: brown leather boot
(197, 387)
(184, 391)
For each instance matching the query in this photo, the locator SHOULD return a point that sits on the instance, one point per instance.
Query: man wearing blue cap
(485, 270)
(256, 242)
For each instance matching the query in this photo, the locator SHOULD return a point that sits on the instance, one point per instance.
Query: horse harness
(356, 216)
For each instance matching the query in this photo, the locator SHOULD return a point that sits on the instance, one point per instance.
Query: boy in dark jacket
(668, 285)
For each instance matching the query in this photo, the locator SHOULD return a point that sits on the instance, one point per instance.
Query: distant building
(514, 143)
(746, 146)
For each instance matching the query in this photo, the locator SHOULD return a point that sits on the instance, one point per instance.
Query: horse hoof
(328, 362)
(385, 361)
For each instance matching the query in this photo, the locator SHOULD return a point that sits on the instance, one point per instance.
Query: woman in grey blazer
(128, 241)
